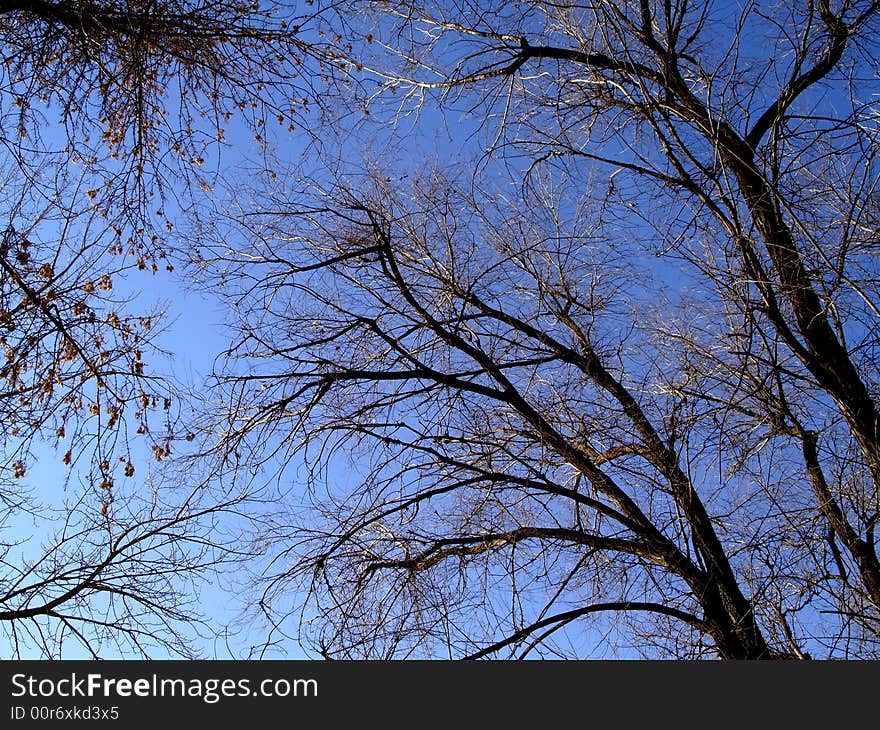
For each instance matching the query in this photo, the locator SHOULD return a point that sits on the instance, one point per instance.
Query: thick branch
(861, 550)
(475, 544)
(568, 616)
(838, 35)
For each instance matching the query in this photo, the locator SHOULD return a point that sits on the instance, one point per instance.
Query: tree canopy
(561, 340)
(110, 116)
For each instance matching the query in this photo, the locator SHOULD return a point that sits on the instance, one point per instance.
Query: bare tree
(545, 432)
(112, 124)
(98, 553)
(119, 584)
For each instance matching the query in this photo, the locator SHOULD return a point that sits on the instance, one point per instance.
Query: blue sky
(196, 320)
